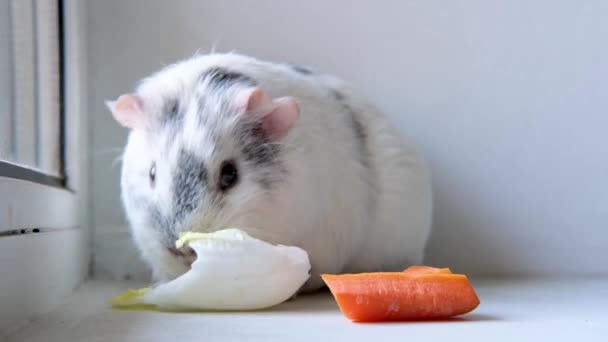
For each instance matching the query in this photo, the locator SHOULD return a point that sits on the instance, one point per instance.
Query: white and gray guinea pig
(291, 156)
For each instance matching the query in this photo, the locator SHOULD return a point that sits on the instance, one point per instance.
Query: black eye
(229, 175)
(152, 174)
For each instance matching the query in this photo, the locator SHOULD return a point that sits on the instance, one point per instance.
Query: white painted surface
(115, 256)
(25, 204)
(506, 99)
(37, 273)
(510, 310)
(38, 270)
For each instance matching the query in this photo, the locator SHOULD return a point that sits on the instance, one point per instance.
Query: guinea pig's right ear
(278, 115)
(127, 110)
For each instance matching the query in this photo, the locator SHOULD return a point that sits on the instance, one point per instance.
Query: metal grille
(30, 86)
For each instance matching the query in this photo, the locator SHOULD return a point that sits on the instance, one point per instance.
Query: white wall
(507, 99)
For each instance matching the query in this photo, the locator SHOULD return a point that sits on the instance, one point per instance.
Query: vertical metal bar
(5, 81)
(48, 86)
(11, 124)
(62, 89)
(24, 90)
(37, 102)
(72, 40)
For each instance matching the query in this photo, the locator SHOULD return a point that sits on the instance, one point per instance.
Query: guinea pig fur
(291, 156)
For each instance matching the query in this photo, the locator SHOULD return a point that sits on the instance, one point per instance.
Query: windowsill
(511, 310)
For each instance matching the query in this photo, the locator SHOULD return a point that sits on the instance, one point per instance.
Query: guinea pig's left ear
(127, 110)
(278, 115)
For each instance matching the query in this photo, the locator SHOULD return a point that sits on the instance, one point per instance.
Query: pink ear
(278, 115)
(283, 117)
(127, 110)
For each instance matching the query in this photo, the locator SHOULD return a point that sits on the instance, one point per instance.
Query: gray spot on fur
(360, 133)
(171, 110)
(208, 118)
(163, 224)
(171, 119)
(212, 95)
(362, 149)
(220, 78)
(338, 96)
(357, 127)
(300, 69)
(259, 150)
(189, 179)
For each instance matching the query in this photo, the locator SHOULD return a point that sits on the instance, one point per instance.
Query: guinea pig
(289, 155)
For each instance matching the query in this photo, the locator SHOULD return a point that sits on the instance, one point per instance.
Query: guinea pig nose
(182, 252)
(188, 252)
(174, 251)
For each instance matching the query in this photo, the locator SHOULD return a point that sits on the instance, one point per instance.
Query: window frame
(44, 234)
(34, 69)
(15, 171)
(21, 185)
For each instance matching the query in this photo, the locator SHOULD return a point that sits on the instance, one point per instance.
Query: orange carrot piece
(420, 270)
(419, 294)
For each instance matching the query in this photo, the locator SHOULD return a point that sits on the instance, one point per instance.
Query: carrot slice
(420, 270)
(415, 294)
